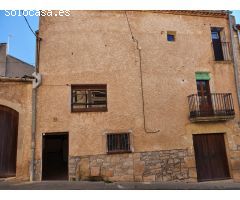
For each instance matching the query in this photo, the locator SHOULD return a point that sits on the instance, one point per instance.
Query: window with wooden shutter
(89, 98)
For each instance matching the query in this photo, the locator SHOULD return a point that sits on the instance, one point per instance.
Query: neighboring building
(15, 114)
(137, 96)
(11, 66)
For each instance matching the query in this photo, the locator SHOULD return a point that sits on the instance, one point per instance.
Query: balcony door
(217, 44)
(204, 94)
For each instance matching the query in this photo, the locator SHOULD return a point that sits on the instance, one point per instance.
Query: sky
(22, 41)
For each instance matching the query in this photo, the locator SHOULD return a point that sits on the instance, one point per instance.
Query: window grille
(118, 142)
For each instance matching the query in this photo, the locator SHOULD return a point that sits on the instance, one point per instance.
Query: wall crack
(141, 75)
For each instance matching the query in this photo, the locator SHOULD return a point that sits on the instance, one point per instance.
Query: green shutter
(202, 76)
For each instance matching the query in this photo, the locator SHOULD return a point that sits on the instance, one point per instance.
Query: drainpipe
(238, 32)
(35, 84)
(234, 59)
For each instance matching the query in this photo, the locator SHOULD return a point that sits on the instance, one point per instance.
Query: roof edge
(10, 79)
(204, 13)
(21, 61)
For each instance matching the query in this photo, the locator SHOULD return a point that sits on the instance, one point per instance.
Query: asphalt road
(86, 185)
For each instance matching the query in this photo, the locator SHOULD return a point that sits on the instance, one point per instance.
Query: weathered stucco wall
(18, 96)
(96, 47)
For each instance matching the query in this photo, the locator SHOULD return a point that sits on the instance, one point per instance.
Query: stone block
(136, 156)
(139, 168)
(235, 163)
(236, 175)
(115, 159)
(191, 180)
(179, 177)
(167, 178)
(126, 178)
(189, 162)
(123, 178)
(109, 173)
(192, 173)
(84, 168)
(127, 163)
(138, 178)
(150, 178)
(95, 171)
(235, 154)
(99, 160)
(130, 171)
(170, 161)
(236, 139)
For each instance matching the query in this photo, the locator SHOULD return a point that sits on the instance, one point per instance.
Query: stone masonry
(165, 165)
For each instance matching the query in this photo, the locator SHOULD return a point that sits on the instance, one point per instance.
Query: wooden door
(205, 100)
(217, 45)
(211, 158)
(8, 141)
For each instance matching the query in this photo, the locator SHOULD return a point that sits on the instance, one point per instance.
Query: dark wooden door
(205, 100)
(217, 45)
(8, 141)
(55, 157)
(211, 158)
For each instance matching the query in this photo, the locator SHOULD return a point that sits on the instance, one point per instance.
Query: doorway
(211, 157)
(8, 141)
(205, 99)
(55, 156)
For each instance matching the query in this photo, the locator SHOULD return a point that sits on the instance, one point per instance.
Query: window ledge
(89, 110)
(222, 61)
(119, 152)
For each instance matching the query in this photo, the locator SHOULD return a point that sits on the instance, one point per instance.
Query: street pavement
(87, 185)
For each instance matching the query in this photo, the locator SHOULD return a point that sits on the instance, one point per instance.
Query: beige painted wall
(96, 47)
(18, 96)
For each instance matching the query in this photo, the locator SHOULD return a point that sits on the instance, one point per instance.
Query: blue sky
(22, 40)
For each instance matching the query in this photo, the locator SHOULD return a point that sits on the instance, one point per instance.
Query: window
(89, 98)
(215, 35)
(118, 142)
(171, 36)
(221, 48)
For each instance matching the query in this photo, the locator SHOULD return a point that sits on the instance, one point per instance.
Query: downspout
(234, 59)
(238, 33)
(35, 84)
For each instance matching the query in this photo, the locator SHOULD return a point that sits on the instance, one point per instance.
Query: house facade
(15, 115)
(137, 96)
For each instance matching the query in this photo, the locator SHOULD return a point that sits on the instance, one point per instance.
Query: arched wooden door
(8, 141)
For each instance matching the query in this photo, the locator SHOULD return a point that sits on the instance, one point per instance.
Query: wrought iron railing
(212, 105)
(222, 51)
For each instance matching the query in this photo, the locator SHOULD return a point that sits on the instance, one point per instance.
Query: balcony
(212, 107)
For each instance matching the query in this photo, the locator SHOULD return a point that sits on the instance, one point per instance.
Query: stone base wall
(166, 165)
(37, 170)
(235, 163)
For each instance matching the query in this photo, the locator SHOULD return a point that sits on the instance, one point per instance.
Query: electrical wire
(29, 25)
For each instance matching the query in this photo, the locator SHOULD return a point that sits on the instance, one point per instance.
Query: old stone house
(135, 96)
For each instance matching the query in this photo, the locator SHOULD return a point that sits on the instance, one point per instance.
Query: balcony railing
(212, 107)
(222, 51)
